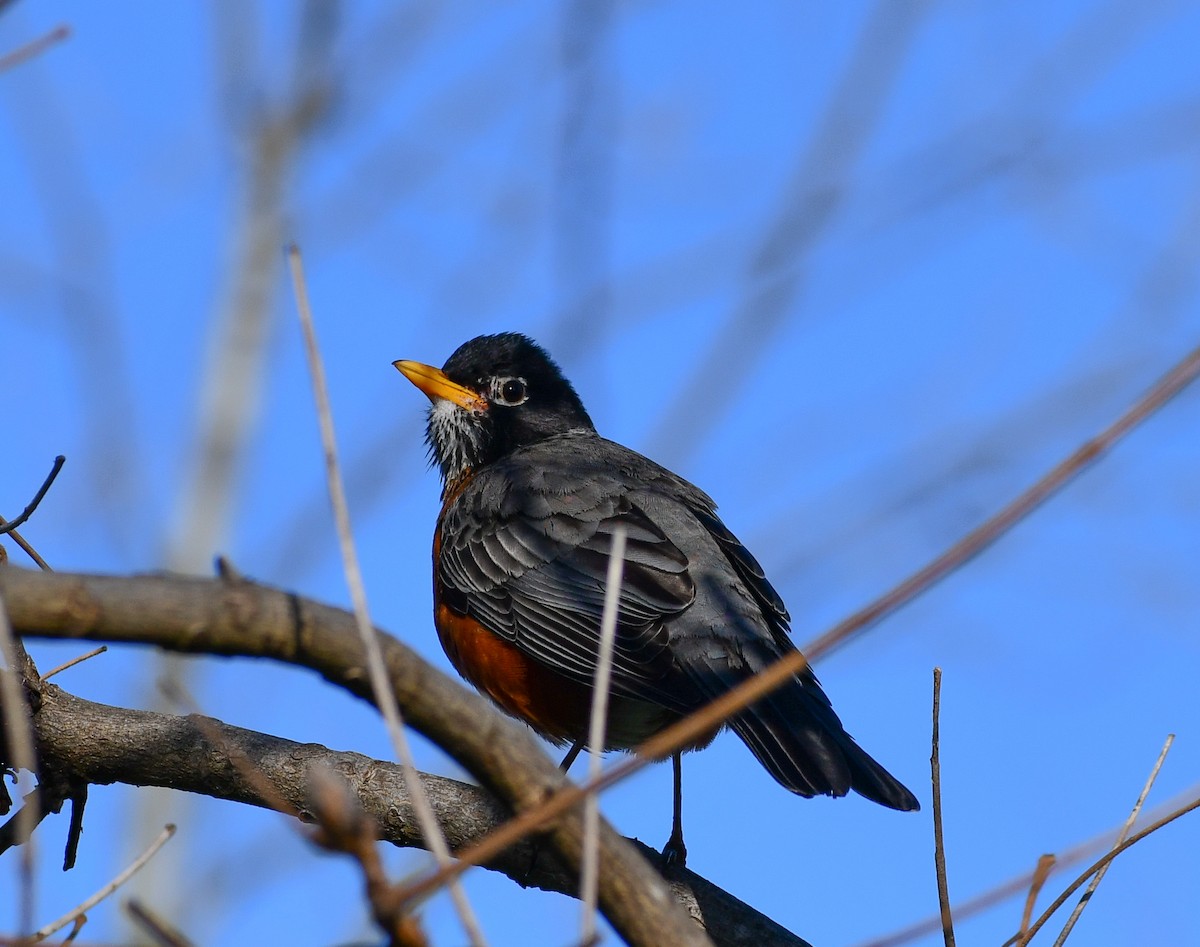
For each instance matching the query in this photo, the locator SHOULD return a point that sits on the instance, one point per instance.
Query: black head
(495, 394)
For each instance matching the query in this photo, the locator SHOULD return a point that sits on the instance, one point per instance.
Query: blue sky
(861, 272)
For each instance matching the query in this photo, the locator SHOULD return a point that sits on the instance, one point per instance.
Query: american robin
(531, 495)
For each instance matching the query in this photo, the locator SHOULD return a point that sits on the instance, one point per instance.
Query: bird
(532, 496)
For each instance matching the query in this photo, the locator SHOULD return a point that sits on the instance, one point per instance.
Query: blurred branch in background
(405, 164)
(1022, 144)
(270, 140)
(74, 291)
(945, 486)
(581, 216)
(15, 57)
(478, 281)
(270, 132)
(810, 203)
(583, 189)
(1013, 137)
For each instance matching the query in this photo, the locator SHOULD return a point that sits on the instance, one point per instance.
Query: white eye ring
(509, 391)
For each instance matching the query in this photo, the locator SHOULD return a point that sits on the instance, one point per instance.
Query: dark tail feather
(802, 756)
(871, 780)
(800, 741)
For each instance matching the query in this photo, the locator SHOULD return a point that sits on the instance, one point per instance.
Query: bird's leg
(571, 756)
(674, 853)
(565, 765)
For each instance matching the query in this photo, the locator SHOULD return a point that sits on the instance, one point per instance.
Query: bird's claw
(674, 853)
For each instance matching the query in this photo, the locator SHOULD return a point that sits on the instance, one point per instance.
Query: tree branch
(235, 617)
(96, 743)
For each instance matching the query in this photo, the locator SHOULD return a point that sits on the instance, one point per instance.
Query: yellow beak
(434, 383)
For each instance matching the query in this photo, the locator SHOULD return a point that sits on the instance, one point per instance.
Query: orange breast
(553, 705)
(556, 706)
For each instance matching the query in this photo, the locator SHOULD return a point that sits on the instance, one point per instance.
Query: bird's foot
(674, 853)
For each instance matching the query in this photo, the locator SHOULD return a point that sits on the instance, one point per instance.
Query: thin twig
(156, 928)
(344, 826)
(1013, 886)
(29, 550)
(35, 48)
(939, 846)
(1169, 385)
(774, 676)
(1041, 872)
(1104, 860)
(79, 660)
(1125, 830)
(109, 888)
(8, 527)
(78, 794)
(809, 206)
(18, 733)
(385, 697)
(589, 871)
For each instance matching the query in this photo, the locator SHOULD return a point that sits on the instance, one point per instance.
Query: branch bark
(102, 744)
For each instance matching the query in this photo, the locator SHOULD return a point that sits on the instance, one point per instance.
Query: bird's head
(495, 394)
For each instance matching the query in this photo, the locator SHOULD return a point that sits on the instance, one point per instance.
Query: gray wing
(536, 573)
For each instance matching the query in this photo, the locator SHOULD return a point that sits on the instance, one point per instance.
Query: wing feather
(537, 574)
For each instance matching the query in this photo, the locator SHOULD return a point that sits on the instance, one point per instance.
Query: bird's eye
(511, 391)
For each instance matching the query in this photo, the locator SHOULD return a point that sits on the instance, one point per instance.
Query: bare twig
(18, 735)
(385, 698)
(235, 370)
(1041, 872)
(590, 862)
(1125, 829)
(109, 888)
(78, 794)
(1102, 862)
(35, 48)
(1013, 886)
(1163, 390)
(1046, 863)
(70, 664)
(939, 845)
(29, 550)
(157, 928)
(9, 526)
(345, 827)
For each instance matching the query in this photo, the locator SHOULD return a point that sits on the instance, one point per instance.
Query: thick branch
(241, 618)
(96, 743)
